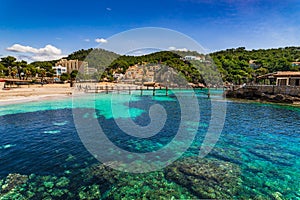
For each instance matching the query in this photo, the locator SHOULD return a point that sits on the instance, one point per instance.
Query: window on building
(282, 81)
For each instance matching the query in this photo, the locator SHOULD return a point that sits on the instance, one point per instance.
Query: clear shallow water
(42, 156)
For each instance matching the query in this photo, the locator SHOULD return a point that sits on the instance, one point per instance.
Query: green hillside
(233, 65)
(97, 58)
(189, 70)
(240, 65)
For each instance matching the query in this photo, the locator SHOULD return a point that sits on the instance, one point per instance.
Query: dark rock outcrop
(243, 93)
(280, 98)
(255, 94)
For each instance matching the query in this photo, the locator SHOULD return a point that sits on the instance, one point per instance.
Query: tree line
(236, 65)
(11, 68)
(240, 65)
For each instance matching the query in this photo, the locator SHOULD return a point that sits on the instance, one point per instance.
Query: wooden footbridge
(129, 89)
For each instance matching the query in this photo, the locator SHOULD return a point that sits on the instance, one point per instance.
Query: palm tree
(73, 77)
(13, 72)
(42, 73)
(27, 73)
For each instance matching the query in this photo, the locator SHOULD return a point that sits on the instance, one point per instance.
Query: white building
(59, 70)
(193, 58)
(72, 64)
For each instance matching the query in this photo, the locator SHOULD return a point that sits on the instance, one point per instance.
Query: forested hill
(167, 58)
(241, 65)
(110, 63)
(95, 57)
(235, 65)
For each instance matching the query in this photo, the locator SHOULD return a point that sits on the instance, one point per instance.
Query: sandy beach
(26, 93)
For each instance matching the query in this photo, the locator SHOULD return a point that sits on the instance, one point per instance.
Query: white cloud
(108, 9)
(87, 40)
(144, 51)
(177, 49)
(21, 48)
(100, 40)
(49, 52)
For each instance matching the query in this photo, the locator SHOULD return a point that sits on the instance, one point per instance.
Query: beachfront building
(283, 78)
(72, 64)
(59, 70)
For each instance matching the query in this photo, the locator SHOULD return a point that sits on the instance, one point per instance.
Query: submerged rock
(147, 186)
(277, 157)
(230, 155)
(9, 189)
(277, 196)
(89, 192)
(206, 178)
(121, 185)
(49, 184)
(12, 181)
(62, 182)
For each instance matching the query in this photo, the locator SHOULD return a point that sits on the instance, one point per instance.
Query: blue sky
(27, 27)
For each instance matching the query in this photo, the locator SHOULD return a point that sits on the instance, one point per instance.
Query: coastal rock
(243, 93)
(207, 178)
(255, 94)
(279, 98)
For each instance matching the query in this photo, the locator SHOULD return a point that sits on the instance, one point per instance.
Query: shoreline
(270, 94)
(34, 93)
(259, 101)
(31, 93)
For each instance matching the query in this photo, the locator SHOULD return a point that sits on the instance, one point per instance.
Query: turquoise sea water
(43, 157)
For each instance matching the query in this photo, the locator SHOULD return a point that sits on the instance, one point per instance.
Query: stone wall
(271, 89)
(281, 94)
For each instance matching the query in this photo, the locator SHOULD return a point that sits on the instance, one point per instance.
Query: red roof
(281, 74)
(287, 73)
